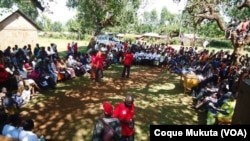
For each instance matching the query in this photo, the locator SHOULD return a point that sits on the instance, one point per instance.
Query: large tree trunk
(239, 44)
(92, 42)
(238, 50)
(99, 26)
(98, 30)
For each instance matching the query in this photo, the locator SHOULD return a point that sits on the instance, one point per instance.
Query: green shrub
(87, 37)
(175, 41)
(130, 39)
(217, 43)
(162, 41)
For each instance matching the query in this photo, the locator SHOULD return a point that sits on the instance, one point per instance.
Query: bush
(130, 39)
(87, 37)
(162, 41)
(175, 41)
(217, 43)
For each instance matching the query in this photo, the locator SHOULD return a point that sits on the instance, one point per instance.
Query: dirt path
(69, 112)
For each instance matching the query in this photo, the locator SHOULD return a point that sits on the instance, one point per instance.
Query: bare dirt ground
(69, 112)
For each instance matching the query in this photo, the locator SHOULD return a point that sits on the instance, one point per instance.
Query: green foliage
(66, 35)
(218, 43)
(87, 37)
(8, 3)
(29, 9)
(73, 26)
(128, 38)
(162, 41)
(151, 18)
(45, 23)
(25, 6)
(146, 28)
(165, 16)
(57, 27)
(175, 41)
(234, 12)
(210, 29)
(101, 14)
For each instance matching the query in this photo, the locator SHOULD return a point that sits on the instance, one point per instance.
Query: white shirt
(115, 48)
(26, 95)
(50, 52)
(96, 47)
(205, 43)
(27, 136)
(104, 49)
(27, 82)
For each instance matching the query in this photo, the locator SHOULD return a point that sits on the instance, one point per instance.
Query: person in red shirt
(127, 62)
(93, 65)
(125, 46)
(99, 128)
(125, 111)
(4, 77)
(75, 48)
(99, 66)
(68, 49)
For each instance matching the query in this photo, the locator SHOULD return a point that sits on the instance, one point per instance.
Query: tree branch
(38, 4)
(214, 17)
(247, 39)
(244, 3)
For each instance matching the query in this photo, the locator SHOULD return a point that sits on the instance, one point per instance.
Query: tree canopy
(219, 11)
(99, 14)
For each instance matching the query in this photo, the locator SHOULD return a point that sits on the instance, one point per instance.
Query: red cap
(2, 66)
(107, 108)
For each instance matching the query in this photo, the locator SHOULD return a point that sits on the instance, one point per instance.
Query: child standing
(26, 93)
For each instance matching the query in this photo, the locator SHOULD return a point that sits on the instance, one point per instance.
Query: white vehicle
(107, 39)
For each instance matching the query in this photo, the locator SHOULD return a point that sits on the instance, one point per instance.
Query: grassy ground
(69, 112)
(61, 43)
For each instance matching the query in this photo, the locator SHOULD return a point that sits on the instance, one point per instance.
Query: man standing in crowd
(98, 133)
(99, 66)
(205, 43)
(124, 111)
(127, 62)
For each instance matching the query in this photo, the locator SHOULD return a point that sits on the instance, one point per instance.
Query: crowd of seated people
(219, 80)
(15, 128)
(24, 72)
(214, 70)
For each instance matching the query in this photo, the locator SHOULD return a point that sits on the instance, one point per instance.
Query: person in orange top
(127, 62)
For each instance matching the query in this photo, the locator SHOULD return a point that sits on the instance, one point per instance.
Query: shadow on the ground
(69, 112)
